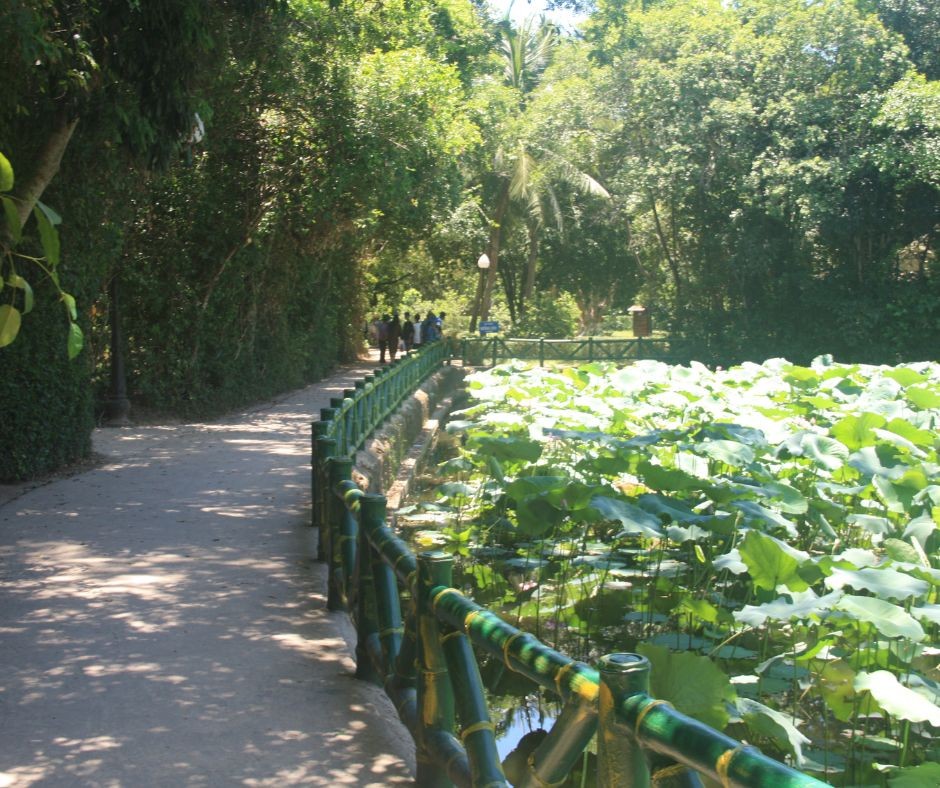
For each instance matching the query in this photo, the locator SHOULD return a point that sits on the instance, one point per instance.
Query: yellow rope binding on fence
(483, 725)
(723, 764)
(666, 772)
(506, 646)
(442, 593)
(646, 710)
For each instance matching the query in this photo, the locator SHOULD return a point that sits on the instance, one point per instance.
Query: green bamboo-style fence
(416, 635)
(493, 349)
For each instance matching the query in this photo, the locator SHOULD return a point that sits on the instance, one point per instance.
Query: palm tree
(524, 173)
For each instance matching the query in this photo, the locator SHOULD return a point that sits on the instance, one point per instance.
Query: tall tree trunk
(529, 285)
(47, 165)
(492, 248)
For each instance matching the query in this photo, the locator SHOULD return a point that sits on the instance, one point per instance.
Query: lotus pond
(766, 535)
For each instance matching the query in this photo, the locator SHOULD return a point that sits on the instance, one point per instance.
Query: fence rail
(492, 349)
(416, 635)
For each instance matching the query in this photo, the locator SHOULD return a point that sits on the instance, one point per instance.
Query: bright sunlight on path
(163, 622)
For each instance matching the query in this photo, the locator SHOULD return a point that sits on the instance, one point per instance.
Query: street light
(483, 263)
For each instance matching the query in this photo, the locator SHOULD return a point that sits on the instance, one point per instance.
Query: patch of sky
(519, 10)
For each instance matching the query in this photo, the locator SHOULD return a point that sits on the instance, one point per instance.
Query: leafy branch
(47, 220)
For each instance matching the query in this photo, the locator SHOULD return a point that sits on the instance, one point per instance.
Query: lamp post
(483, 263)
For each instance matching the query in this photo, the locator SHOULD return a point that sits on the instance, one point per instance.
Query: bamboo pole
(621, 762)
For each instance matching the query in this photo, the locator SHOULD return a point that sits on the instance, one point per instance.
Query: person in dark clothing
(408, 332)
(429, 330)
(394, 335)
(383, 337)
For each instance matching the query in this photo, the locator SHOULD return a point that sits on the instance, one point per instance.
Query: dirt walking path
(163, 622)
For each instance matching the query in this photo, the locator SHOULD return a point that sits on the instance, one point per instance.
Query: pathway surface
(163, 622)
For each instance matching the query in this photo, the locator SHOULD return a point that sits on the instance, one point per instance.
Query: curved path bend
(163, 621)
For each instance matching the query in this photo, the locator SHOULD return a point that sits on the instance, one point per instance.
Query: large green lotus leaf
(916, 435)
(690, 682)
(858, 557)
(730, 561)
(669, 510)
(896, 699)
(905, 375)
(882, 581)
(925, 775)
(872, 462)
(929, 613)
(508, 448)
(898, 495)
(890, 620)
(669, 479)
(778, 727)
(926, 397)
(733, 453)
(633, 519)
(858, 431)
(788, 499)
(871, 523)
(761, 514)
(920, 528)
(750, 436)
(803, 606)
(771, 562)
(836, 685)
(826, 451)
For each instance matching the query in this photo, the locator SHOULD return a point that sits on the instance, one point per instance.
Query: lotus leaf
(778, 727)
(890, 620)
(896, 699)
(691, 683)
(881, 581)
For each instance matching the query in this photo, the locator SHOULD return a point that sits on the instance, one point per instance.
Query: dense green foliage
(767, 535)
(763, 175)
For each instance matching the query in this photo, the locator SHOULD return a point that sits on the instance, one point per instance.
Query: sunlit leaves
(896, 699)
(6, 174)
(10, 319)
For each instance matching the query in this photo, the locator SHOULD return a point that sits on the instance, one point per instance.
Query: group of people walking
(392, 334)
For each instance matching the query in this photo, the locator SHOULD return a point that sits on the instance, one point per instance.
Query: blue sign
(489, 327)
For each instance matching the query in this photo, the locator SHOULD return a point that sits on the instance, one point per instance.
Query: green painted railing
(415, 637)
(345, 426)
(493, 349)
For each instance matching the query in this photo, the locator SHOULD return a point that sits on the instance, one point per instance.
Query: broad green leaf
(9, 324)
(890, 620)
(12, 218)
(904, 375)
(858, 431)
(761, 514)
(829, 453)
(6, 174)
(20, 283)
(507, 448)
(884, 582)
(929, 613)
(633, 519)
(787, 498)
(455, 490)
(896, 699)
(732, 453)
(778, 727)
(924, 397)
(690, 682)
(837, 687)
(76, 340)
(898, 494)
(803, 606)
(771, 562)
(908, 431)
(48, 236)
(657, 477)
(926, 775)
(899, 550)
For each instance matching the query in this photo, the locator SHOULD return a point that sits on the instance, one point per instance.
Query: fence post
(326, 448)
(590, 349)
(371, 509)
(318, 429)
(541, 351)
(435, 694)
(620, 759)
(340, 557)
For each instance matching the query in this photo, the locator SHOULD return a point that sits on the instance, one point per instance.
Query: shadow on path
(162, 621)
